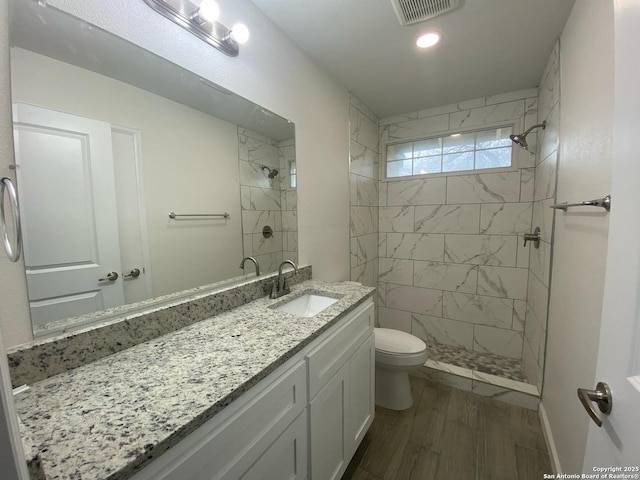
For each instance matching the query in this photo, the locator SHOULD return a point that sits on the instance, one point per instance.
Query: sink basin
(307, 305)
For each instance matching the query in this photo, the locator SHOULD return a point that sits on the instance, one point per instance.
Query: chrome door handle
(601, 395)
(111, 276)
(135, 273)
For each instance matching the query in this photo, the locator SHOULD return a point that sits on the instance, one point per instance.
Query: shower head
(521, 138)
(270, 172)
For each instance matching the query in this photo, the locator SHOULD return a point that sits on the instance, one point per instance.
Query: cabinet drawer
(223, 447)
(326, 359)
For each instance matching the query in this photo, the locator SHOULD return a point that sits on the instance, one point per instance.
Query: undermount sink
(307, 305)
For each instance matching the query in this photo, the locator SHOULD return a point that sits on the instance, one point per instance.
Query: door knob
(111, 276)
(601, 395)
(135, 273)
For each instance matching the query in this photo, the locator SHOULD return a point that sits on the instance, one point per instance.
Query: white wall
(579, 255)
(270, 71)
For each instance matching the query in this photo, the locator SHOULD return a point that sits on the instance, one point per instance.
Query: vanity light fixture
(201, 19)
(429, 39)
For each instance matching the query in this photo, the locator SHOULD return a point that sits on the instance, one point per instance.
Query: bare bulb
(239, 33)
(208, 11)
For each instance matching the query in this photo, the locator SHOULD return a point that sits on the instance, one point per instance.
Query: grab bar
(599, 202)
(13, 251)
(176, 215)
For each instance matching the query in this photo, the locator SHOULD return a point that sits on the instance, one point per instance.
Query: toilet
(397, 353)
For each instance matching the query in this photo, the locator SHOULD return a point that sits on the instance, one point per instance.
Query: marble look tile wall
(452, 268)
(364, 183)
(267, 201)
(288, 201)
(544, 195)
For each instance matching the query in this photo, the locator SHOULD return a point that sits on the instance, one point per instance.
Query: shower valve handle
(533, 237)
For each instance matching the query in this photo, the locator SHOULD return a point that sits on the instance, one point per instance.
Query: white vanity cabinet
(341, 394)
(304, 420)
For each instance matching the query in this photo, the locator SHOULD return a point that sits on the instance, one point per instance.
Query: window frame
(515, 152)
(292, 173)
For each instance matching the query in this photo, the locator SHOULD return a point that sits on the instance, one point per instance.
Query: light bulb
(239, 33)
(208, 11)
(429, 39)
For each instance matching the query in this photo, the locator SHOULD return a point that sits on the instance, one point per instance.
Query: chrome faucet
(254, 261)
(280, 286)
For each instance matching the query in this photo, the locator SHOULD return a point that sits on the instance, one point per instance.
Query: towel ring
(13, 251)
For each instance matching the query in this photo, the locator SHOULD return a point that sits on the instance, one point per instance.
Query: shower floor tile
(482, 362)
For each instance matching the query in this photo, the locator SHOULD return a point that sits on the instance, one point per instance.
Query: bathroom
(589, 281)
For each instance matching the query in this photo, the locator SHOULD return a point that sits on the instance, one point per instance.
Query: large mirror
(109, 140)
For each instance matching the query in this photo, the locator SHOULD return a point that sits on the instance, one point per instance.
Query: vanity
(253, 392)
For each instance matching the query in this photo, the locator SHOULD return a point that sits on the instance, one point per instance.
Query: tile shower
(267, 201)
(364, 187)
(451, 265)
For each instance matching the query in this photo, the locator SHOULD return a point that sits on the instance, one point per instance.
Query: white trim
(548, 438)
(142, 205)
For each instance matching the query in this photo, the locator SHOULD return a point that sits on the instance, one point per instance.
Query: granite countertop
(110, 418)
(31, 453)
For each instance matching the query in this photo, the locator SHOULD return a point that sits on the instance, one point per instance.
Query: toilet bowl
(397, 353)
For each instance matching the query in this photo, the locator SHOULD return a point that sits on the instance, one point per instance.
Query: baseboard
(548, 437)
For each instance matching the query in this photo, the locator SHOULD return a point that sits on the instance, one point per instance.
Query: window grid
(458, 152)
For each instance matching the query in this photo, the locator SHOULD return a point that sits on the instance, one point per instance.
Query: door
(617, 443)
(132, 226)
(327, 417)
(286, 458)
(70, 231)
(361, 394)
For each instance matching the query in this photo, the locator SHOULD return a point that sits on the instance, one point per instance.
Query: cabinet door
(286, 458)
(327, 428)
(361, 395)
(334, 352)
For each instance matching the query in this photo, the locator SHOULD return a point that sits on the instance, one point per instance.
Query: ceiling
(488, 47)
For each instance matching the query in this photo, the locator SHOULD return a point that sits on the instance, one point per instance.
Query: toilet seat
(396, 342)
(398, 349)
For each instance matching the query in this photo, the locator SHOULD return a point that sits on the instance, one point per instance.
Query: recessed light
(428, 39)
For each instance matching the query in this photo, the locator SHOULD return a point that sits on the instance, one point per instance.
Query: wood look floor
(449, 434)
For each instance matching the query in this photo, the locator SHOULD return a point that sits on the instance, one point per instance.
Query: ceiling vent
(416, 11)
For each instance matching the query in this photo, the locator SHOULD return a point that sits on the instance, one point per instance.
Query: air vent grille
(416, 11)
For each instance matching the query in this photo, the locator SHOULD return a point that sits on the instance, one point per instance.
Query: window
(293, 174)
(478, 150)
